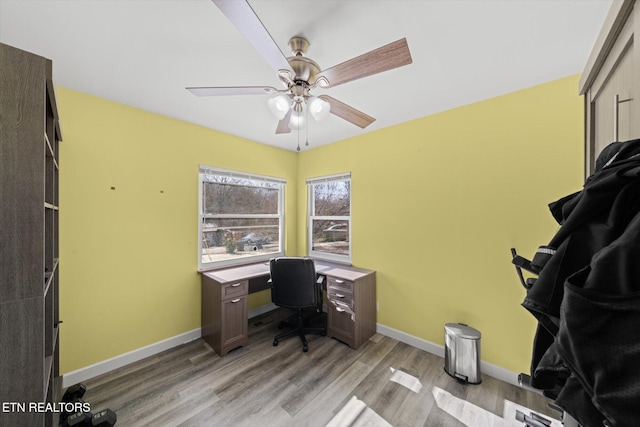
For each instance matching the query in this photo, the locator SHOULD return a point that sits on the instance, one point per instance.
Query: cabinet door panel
(341, 325)
(613, 106)
(612, 93)
(234, 313)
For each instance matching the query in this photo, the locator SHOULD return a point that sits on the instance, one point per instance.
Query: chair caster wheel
(275, 342)
(305, 348)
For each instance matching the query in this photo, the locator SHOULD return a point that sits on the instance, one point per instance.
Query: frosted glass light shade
(319, 108)
(297, 120)
(279, 106)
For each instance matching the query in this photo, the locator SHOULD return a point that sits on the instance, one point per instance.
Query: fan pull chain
(298, 138)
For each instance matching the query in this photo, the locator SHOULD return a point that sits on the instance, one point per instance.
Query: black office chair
(294, 285)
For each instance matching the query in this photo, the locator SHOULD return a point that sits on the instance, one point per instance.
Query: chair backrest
(293, 282)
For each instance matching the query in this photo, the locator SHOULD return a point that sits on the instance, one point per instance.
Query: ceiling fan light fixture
(300, 74)
(319, 108)
(279, 106)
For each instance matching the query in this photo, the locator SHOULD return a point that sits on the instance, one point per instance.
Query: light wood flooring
(262, 385)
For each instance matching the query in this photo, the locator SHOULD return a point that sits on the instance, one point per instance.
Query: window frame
(281, 182)
(345, 259)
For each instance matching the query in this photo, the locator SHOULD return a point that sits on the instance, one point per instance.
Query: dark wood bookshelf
(29, 253)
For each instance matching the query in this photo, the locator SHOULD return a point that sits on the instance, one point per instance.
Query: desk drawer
(340, 297)
(339, 285)
(233, 290)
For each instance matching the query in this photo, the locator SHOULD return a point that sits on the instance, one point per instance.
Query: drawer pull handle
(339, 295)
(339, 309)
(235, 300)
(339, 281)
(235, 285)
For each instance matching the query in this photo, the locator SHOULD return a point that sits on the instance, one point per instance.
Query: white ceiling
(144, 53)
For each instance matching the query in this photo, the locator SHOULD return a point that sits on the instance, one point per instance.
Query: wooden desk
(351, 297)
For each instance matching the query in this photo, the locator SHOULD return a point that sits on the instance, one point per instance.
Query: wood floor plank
(376, 390)
(332, 360)
(174, 409)
(260, 385)
(332, 397)
(416, 408)
(128, 397)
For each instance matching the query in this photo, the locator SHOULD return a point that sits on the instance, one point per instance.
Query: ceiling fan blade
(347, 112)
(247, 22)
(283, 125)
(387, 57)
(231, 90)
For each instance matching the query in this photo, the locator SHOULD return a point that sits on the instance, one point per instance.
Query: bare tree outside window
(330, 217)
(241, 217)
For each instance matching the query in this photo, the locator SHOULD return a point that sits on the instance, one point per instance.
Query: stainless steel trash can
(462, 352)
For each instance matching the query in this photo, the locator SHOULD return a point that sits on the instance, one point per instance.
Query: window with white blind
(241, 218)
(330, 217)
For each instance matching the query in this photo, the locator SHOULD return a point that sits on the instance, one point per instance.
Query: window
(241, 218)
(330, 217)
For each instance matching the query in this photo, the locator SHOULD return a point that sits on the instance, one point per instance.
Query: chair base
(301, 330)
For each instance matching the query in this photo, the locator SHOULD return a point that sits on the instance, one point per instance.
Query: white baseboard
(262, 309)
(108, 365)
(485, 367)
(160, 346)
(139, 354)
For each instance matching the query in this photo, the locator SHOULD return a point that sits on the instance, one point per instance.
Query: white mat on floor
(357, 414)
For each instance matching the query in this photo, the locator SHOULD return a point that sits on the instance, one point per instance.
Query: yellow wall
(438, 202)
(129, 254)
(436, 205)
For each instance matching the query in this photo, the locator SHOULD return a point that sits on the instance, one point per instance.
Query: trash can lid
(463, 331)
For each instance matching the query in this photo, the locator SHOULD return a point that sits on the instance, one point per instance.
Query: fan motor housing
(305, 68)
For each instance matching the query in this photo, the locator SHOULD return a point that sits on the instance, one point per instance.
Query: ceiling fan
(300, 74)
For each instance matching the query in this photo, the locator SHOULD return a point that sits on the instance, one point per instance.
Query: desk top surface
(249, 271)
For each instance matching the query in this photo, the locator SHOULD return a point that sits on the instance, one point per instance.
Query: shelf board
(50, 153)
(49, 147)
(54, 339)
(47, 282)
(51, 98)
(48, 275)
(48, 367)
